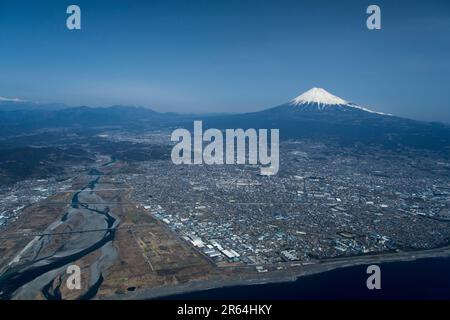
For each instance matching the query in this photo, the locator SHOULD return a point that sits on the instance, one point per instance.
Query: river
(23, 279)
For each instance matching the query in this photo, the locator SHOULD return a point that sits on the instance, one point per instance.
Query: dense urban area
(327, 201)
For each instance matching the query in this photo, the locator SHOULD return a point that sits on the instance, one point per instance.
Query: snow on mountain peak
(325, 101)
(11, 99)
(319, 96)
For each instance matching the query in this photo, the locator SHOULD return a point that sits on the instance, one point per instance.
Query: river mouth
(96, 232)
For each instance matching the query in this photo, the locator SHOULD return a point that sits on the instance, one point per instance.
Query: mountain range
(315, 114)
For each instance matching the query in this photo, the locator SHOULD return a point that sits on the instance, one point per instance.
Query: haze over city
(224, 149)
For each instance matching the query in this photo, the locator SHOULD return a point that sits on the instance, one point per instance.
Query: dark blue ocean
(421, 279)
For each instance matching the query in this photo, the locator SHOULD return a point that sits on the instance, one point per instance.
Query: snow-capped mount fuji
(318, 99)
(318, 114)
(319, 96)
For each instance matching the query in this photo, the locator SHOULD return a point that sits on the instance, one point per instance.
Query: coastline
(287, 275)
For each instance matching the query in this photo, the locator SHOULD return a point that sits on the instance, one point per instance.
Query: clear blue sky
(227, 55)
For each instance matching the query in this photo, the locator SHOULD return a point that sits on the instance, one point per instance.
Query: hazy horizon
(228, 56)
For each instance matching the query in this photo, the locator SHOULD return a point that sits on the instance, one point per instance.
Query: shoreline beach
(285, 275)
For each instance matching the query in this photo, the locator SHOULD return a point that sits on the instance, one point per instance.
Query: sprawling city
(218, 158)
(174, 228)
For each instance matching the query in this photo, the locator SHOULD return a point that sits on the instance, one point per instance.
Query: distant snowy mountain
(318, 96)
(315, 114)
(4, 100)
(318, 99)
(321, 115)
(12, 104)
